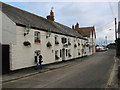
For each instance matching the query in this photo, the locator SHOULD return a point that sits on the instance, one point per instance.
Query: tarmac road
(93, 72)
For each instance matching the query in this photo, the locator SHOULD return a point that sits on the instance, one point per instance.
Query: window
(74, 40)
(78, 43)
(64, 40)
(56, 40)
(69, 42)
(37, 37)
(56, 55)
(60, 53)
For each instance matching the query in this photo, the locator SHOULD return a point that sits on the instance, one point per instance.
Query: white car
(101, 48)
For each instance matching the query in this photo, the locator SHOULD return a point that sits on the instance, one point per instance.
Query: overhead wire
(111, 9)
(113, 15)
(103, 26)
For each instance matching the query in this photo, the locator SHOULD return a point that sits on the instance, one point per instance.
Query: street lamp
(106, 40)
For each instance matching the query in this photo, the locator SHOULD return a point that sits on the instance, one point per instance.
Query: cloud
(85, 13)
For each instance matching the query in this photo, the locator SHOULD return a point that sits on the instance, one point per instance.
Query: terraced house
(90, 35)
(24, 33)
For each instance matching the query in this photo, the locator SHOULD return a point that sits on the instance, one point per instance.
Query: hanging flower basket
(75, 45)
(49, 44)
(56, 42)
(87, 45)
(26, 43)
(65, 45)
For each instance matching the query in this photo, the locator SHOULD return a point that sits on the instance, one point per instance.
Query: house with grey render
(24, 33)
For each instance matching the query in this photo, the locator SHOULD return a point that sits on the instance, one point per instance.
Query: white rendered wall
(23, 56)
(8, 30)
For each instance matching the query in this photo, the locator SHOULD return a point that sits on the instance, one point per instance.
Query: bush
(48, 44)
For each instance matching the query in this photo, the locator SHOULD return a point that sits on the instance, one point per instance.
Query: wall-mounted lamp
(48, 34)
(27, 30)
(76, 37)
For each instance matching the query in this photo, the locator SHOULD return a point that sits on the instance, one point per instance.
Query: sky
(98, 14)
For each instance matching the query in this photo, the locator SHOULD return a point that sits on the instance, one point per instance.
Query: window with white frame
(37, 37)
(64, 40)
(56, 55)
(56, 40)
(78, 42)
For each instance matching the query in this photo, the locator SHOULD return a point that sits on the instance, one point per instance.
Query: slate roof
(21, 17)
(85, 31)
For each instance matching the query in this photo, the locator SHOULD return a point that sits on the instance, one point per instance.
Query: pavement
(113, 80)
(31, 71)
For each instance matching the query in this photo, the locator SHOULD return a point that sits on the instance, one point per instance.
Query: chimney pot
(73, 27)
(51, 16)
(76, 26)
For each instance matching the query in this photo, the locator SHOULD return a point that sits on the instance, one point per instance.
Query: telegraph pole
(116, 35)
(115, 30)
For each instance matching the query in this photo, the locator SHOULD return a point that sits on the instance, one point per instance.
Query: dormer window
(37, 37)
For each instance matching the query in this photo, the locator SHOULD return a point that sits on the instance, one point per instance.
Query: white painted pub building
(24, 33)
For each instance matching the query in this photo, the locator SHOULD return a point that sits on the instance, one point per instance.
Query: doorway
(63, 54)
(5, 59)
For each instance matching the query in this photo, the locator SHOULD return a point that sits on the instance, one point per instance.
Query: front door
(5, 59)
(63, 54)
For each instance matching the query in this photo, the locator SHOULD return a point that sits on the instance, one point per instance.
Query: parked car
(101, 48)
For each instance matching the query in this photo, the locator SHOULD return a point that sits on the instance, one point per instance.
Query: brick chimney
(76, 26)
(51, 16)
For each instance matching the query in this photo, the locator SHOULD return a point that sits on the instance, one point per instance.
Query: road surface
(93, 72)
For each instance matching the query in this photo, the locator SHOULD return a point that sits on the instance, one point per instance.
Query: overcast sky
(98, 14)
